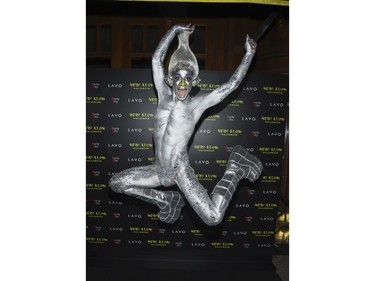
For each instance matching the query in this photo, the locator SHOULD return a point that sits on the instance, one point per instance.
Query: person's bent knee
(117, 183)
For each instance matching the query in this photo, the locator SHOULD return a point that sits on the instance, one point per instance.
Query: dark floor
(281, 263)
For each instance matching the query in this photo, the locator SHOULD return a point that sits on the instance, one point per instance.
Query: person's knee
(117, 182)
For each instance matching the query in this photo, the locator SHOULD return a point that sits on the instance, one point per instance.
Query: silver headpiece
(183, 58)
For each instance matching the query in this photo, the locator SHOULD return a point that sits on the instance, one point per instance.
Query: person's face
(182, 83)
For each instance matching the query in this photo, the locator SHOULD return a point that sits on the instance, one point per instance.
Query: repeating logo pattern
(120, 106)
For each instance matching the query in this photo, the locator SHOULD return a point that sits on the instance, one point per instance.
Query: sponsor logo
(132, 242)
(256, 103)
(134, 100)
(153, 100)
(134, 130)
(141, 86)
(229, 132)
(235, 103)
(95, 186)
(115, 159)
(97, 228)
(140, 146)
(274, 134)
(250, 88)
(95, 129)
(118, 229)
(242, 205)
(230, 118)
(250, 192)
(94, 85)
(272, 164)
(273, 119)
(134, 216)
(177, 244)
(96, 201)
(115, 130)
(254, 133)
(95, 158)
(246, 245)
(96, 214)
(262, 233)
(202, 162)
(132, 159)
(95, 144)
(95, 173)
(140, 230)
(248, 218)
(114, 115)
(240, 233)
(116, 215)
(248, 118)
(160, 230)
(116, 241)
(206, 177)
(114, 145)
(269, 192)
(213, 117)
(141, 115)
(269, 178)
(222, 245)
(95, 115)
(111, 202)
(96, 240)
(270, 150)
(264, 245)
(204, 131)
(114, 85)
(266, 219)
(265, 206)
(198, 244)
(151, 159)
(94, 100)
(276, 104)
(222, 163)
(159, 243)
(178, 231)
(115, 99)
(208, 86)
(196, 232)
(153, 217)
(275, 90)
(230, 218)
(206, 148)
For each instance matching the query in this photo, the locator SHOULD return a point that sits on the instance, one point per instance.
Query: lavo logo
(276, 104)
(272, 164)
(114, 115)
(114, 145)
(202, 162)
(198, 244)
(135, 100)
(114, 85)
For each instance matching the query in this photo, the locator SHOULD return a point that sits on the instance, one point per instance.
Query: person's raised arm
(225, 89)
(160, 53)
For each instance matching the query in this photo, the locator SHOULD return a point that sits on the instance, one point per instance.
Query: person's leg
(139, 182)
(211, 210)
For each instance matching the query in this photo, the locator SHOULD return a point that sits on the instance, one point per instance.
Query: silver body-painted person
(176, 117)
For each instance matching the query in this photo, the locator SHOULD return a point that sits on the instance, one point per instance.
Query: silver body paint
(174, 125)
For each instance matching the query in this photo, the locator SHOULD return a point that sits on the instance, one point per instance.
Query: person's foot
(170, 209)
(244, 164)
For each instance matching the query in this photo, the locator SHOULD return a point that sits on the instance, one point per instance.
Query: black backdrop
(120, 110)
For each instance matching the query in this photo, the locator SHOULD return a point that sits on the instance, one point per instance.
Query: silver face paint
(175, 119)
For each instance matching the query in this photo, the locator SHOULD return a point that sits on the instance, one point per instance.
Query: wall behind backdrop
(120, 110)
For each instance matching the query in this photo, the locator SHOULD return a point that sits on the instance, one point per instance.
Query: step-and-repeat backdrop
(120, 111)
